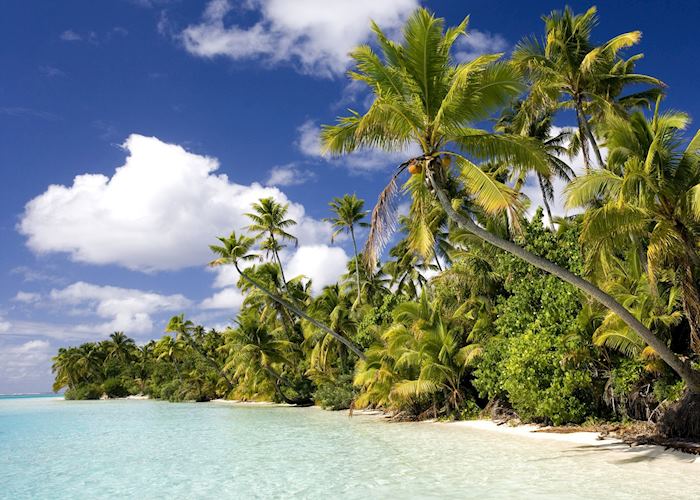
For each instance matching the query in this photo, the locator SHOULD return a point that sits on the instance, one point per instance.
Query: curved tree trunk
(690, 376)
(357, 265)
(302, 314)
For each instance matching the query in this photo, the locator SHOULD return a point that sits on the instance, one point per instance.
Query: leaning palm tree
(269, 223)
(421, 96)
(568, 71)
(235, 249)
(348, 212)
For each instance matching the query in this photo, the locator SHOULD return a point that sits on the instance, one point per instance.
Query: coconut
(415, 168)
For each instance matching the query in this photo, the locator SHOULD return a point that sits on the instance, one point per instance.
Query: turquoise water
(50, 448)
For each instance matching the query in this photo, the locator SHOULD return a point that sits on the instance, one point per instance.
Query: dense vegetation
(561, 320)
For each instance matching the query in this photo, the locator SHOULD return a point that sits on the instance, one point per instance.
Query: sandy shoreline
(589, 439)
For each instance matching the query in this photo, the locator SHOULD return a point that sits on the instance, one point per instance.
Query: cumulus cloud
(289, 175)
(24, 362)
(156, 212)
(228, 298)
(360, 162)
(477, 43)
(122, 309)
(314, 35)
(321, 263)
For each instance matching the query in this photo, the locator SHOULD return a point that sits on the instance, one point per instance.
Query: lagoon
(51, 448)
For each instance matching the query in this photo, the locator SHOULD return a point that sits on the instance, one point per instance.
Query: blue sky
(202, 107)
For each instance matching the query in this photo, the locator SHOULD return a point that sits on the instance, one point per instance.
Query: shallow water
(50, 448)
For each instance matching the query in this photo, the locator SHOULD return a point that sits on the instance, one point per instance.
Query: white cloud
(158, 211)
(228, 298)
(124, 309)
(359, 162)
(24, 361)
(322, 263)
(4, 325)
(477, 43)
(70, 36)
(532, 189)
(314, 35)
(289, 175)
(26, 297)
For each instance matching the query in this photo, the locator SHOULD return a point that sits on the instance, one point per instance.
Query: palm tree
(172, 350)
(539, 128)
(648, 196)
(331, 304)
(568, 71)
(269, 222)
(254, 349)
(348, 212)
(67, 369)
(235, 249)
(270, 276)
(120, 347)
(421, 96)
(405, 270)
(420, 357)
(184, 329)
(652, 304)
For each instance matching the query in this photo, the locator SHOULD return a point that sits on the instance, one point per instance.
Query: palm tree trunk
(690, 376)
(586, 129)
(583, 137)
(279, 262)
(350, 345)
(545, 202)
(357, 264)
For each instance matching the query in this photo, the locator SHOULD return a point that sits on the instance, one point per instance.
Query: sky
(133, 132)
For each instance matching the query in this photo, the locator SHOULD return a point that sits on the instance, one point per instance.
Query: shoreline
(531, 431)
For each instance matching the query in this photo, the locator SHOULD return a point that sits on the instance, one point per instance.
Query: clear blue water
(50, 448)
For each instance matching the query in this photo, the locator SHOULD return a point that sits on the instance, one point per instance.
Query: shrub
(114, 388)
(336, 395)
(85, 391)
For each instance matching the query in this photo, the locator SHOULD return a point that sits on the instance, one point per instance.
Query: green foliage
(84, 391)
(539, 360)
(337, 394)
(540, 384)
(115, 388)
